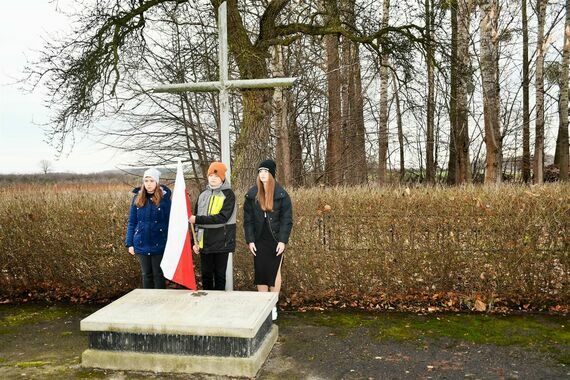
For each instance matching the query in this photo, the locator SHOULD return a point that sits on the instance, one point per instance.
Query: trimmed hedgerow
(356, 247)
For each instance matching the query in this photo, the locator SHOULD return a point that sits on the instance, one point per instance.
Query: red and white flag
(177, 262)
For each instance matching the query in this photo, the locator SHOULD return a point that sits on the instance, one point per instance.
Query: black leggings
(213, 266)
(152, 276)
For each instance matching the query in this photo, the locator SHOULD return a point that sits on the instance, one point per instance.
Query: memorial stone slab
(215, 332)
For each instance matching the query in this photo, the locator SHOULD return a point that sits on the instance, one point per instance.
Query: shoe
(274, 313)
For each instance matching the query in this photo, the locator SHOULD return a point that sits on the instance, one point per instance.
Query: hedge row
(356, 247)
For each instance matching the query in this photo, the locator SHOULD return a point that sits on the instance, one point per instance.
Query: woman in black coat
(268, 219)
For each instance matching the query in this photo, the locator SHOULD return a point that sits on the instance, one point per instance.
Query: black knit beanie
(269, 165)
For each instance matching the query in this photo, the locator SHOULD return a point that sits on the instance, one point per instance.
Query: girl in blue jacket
(148, 227)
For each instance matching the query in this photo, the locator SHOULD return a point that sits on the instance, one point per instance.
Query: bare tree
(160, 128)
(464, 79)
(430, 64)
(561, 155)
(453, 70)
(333, 165)
(281, 119)
(85, 70)
(46, 166)
(307, 106)
(539, 87)
(352, 105)
(526, 103)
(400, 128)
(489, 73)
(383, 118)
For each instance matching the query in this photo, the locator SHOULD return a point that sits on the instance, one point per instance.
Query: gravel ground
(48, 345)
(314, 352)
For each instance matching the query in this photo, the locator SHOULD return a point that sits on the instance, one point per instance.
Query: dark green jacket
(216, 220)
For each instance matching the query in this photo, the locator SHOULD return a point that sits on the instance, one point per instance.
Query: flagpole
(176, 263)
(193, 233)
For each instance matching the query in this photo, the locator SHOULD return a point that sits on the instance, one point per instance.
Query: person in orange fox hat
(215, 220)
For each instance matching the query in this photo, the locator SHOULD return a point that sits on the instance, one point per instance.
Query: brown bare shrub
(64, 242)
(506, 244)
(354, 247)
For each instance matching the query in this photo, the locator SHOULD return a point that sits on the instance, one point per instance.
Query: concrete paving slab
(204, 313)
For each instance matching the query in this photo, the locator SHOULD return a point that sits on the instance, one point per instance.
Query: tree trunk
(400, 128)
(451, 169)
(280, 121)
(430, 159)
(499, 136)
(526, 103)
(358, 154)
(561, 155)
(252, 145)
(346, 91)
(464, 80)
(296, 155)
(383, 117)
(451, 165)
(539, 86)
(333, 160)
(489, 52)
(318, 173)
(352, 106)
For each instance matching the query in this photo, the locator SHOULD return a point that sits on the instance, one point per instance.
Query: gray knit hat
(152, 173)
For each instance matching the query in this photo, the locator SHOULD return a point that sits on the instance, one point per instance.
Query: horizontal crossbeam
(230, 84)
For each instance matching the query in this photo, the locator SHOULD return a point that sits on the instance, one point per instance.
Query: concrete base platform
(212, 332)
(215, 365)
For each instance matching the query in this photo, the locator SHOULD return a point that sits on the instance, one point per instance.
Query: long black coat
(280, 219)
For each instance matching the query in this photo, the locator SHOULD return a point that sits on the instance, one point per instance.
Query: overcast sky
(23, 25)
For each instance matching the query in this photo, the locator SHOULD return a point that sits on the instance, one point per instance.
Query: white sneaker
(274, 313)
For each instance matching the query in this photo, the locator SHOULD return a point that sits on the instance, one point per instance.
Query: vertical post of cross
(224, 100)
(223, 86)
(224, 93)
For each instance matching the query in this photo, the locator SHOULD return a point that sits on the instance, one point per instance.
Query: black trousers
(152, 276)
(213, 266)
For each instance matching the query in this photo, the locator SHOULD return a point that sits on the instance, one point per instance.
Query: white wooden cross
(223, 86)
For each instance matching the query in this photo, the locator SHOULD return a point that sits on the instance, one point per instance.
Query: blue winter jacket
(148, 225)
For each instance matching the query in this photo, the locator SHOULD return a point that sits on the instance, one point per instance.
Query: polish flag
(177, 262)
